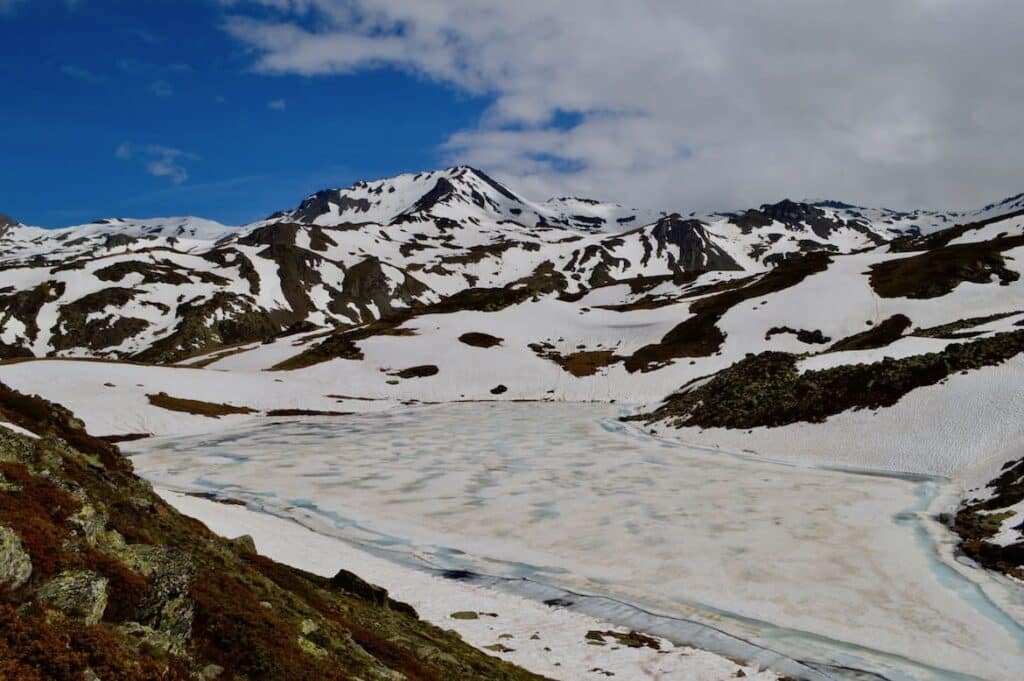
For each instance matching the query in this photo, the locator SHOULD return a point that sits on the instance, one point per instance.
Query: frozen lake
(834, 568)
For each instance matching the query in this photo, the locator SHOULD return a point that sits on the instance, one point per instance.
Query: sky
(233, 109)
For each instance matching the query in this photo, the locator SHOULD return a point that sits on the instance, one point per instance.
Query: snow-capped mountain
(456, 195)
(165, 289)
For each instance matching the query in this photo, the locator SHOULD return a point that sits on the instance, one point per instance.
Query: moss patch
(197, 407)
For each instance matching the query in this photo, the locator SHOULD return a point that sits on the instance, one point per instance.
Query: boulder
(81, 594)
(244, 545)
(15, 563)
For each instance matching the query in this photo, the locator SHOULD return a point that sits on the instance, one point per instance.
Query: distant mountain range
(166, 289)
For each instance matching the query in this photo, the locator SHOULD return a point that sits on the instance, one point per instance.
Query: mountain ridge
(122, 287)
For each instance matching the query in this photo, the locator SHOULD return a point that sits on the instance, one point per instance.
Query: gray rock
(81, 594)
(244, 545)
(210, 672)
(88, 522)
(15, 563)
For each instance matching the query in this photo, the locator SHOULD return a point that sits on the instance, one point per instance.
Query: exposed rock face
(688, 246)
(323, 202)
(15, 563)
(5, 223)
(81, 594)
(368, 284)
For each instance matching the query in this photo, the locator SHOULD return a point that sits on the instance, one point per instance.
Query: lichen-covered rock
(167, 606)
(244, 544)
(15, 563)
(88, 522)
(154, 639)
(81, 594)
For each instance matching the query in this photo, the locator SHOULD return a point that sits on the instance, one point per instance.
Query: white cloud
(157, 160)
(277, 104)
(161, 88)
(8, 6)
(693, 104)
(79, 73)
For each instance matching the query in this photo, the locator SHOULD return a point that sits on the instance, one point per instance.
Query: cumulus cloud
(696, 104)
(277, 104)
(157, 160)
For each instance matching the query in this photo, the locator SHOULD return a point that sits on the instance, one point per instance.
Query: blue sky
(86, 81)
(232, 109)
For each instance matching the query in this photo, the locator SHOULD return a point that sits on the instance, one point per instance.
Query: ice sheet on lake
(820, 565)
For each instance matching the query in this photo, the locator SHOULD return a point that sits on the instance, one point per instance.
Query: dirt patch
(878, 336)
(480, 340)
(581, 363)
(196, 407)
(422, 371)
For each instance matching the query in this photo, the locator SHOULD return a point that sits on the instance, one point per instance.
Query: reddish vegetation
(237, 633)
(38, 512)
(32, 649)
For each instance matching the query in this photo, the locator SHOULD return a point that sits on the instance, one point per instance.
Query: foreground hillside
(101, 579)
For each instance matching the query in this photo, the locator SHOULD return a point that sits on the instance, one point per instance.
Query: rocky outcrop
(15, 563)
(80, 594)
(768, 390)
(688, 246)
(375, 293)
